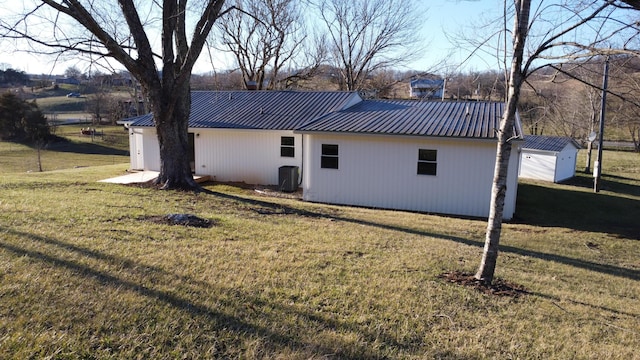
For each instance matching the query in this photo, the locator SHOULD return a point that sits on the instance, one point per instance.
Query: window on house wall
(329, 159)
(427, 162)
(287, 146)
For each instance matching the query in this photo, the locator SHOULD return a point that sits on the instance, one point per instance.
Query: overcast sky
(441, 17)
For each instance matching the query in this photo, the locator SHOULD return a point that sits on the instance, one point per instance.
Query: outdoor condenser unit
(288, 178)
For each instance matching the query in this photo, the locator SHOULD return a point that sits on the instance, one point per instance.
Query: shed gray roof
(548, 143)
(423, 118)
(265, 110)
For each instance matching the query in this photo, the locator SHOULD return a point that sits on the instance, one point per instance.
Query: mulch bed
(498, 287)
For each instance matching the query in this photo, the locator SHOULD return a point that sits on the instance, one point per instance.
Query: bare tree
(266, 38)
(73, 72)
(523, 62)
(624, 84)
(370, 35)
(98, 30)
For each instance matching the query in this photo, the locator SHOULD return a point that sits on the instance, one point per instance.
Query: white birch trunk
(487, 267)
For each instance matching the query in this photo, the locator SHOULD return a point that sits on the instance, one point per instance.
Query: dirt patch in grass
(499, 287)
(180, 219)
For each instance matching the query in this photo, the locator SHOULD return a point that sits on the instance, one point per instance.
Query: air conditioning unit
(288, 178)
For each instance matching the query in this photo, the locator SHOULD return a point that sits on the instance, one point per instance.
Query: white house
(548, 158)
(426, 88)
(241, 136)
(434, 157)
(422, 156)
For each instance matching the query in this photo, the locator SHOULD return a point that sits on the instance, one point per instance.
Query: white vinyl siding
(250, 156)
(566, 164)
(538, 165)
(548, 165)
(380, 171)
(136, 153)
(145, 151)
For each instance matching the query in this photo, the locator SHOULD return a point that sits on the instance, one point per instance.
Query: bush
(21, 120)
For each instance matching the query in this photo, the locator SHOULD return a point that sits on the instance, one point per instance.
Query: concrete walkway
(144, 176)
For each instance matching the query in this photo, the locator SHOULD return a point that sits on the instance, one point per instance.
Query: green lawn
(62, 104)
(84, 273)
(112, 147)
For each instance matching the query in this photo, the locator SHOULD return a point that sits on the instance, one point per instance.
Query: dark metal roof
(423, 118)
(265, 110)
(548, 143)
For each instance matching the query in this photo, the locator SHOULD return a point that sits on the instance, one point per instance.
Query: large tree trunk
(167, 91)
(171, 115)
(487, 267)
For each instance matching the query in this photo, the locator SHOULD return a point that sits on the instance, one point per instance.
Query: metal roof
(548, 143)
(265, 110)
(468, 119)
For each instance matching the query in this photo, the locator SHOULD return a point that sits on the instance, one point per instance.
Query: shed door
(137, 156)
(538, 166)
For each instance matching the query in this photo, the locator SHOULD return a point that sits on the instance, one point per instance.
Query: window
(427, 162)
(287, 146)
(329, 159)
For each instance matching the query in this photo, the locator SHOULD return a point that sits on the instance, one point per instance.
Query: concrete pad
(144, 176)
(133, 178)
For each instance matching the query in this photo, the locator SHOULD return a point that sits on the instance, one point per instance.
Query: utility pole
(598, 164)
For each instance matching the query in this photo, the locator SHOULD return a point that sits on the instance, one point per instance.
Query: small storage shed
(548, 158)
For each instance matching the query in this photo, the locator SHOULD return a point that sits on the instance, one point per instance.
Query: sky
(441, 17)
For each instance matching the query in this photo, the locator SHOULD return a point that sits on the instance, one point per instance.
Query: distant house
(548, 158)
(426, 88)
(408, 155)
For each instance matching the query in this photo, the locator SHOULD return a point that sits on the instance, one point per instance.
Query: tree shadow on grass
(609, 183)
(588, 265)
(252, 307)
(85, 148)
(551, 206)
(555, 300)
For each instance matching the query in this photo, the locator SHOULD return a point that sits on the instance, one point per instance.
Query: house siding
(548, 158)
(136, 150)
(381, 171)
(251, 156)
(566, 164)
(144, 149)
(538, 165)
(548, 165)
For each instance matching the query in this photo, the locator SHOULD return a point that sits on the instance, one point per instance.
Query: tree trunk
(499, 188)
(171, 115)
(487, 267)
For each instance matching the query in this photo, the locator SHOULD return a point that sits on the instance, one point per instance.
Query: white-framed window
(329, 158)
(427, 162)
(287, 146)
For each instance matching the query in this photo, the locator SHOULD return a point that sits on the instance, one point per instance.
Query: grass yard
(78, 151)
(84, 273)
(61, 104)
